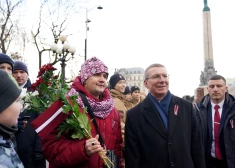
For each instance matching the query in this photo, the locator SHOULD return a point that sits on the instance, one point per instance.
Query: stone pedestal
(199, 93)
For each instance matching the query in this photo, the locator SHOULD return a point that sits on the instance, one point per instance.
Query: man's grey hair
(146, 74)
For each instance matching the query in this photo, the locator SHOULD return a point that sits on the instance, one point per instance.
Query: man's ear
(226, 88)
(145, 84)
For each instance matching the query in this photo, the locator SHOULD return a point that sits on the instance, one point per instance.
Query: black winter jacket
(29, 147)
(28, 85)
(227, 134)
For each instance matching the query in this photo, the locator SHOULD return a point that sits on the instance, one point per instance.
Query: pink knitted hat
(92, 66)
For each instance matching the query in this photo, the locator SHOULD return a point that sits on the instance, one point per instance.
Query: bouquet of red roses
(45, 90)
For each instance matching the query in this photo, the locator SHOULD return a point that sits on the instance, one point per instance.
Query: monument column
(208, 51)
(209, 69)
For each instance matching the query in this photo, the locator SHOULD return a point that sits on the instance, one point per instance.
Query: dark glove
(20, 124)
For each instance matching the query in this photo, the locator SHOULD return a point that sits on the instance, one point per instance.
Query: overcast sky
(137, 33)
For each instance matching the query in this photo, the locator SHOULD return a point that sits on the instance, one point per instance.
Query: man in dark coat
(29, 146)
(162, 130)
(21, 74)
(219, 146)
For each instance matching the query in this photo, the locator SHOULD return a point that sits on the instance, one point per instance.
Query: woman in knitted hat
(128, 99)
(135, 93)
(9, 112)
(117, 85)
(6, 63)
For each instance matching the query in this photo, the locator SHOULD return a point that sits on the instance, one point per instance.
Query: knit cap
(19, 65)
(115, 79)
(127, 90)
(9, 91)
(134, 88)
(6, 59)
(91, 67)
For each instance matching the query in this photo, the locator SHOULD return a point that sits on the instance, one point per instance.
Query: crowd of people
(139, 131)
(26, 142)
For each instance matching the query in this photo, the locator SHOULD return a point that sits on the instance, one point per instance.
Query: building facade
(134, 77)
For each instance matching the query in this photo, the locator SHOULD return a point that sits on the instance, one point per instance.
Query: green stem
(88, 135)
(86, 132)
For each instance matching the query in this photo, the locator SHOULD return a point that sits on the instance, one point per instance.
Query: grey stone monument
(209, 69)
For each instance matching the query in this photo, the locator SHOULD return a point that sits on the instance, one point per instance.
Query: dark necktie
(216, 132)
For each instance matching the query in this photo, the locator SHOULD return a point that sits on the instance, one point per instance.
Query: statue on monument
(208, 72)
(206, 8)
(202, 78)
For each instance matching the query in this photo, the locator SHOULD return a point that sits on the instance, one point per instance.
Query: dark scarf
(7, 132)
(162, 107)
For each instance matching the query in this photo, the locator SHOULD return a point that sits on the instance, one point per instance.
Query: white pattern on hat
(91, 67)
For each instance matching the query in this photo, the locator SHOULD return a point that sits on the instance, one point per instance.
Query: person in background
(135, 94)
(127, 93)
(142, 96)
(6, 63)
(216, 115)
(29, 146)
(128, 99)
(162, 131)
(64, 151)
(117, 85)
(20, 73)
(9, 112)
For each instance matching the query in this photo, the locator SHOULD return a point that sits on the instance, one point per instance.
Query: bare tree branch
(55, 21)
(7, 25)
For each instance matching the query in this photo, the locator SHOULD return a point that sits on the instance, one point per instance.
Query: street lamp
(63, 52)
(87, 28)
